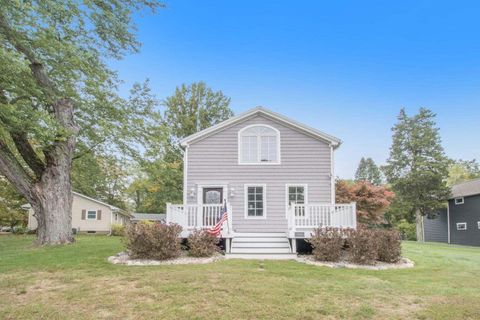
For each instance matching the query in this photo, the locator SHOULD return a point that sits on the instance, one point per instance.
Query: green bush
(327, 244)
(407, 230)
(118, 230)
(389, 245)
(153, 240)
(363, 246)
(19, 230)
(202, 244)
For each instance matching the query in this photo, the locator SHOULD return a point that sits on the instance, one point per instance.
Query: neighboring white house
(275, 175)
(89, 215)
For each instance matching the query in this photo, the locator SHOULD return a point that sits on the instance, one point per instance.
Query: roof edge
(334, 141)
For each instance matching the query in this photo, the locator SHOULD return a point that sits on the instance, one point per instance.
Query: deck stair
(261, 245)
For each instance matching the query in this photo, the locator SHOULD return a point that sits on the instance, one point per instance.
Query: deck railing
(198, 216)
(308, 216)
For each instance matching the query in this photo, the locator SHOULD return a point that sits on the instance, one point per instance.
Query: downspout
(448, 220)
(332, 176)
(185, 174)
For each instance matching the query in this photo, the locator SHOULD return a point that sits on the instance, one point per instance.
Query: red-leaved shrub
(202, 244)
(327, 244)
(363, 246)
(157, 241)
(389, 245)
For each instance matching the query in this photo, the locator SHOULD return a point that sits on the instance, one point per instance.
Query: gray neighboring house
(459, 223)
(275, 177)
(153, 217)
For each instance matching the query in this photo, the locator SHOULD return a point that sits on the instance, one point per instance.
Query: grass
(76, 282)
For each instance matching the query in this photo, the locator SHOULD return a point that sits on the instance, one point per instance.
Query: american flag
(223, 216)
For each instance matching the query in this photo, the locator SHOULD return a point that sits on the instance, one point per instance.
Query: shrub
(118, 230)
(407, 230)
(363, 246)
(19, 230)
(327, 244)
(153, 240)
(202, 244)
(389, 245)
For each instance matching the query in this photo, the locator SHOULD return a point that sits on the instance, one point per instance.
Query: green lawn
(76, 282)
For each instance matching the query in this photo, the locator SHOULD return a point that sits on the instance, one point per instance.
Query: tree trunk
(419, 224)
(53, 205)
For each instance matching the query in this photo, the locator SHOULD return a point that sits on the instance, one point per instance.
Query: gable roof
(334, 141)
(467, 188)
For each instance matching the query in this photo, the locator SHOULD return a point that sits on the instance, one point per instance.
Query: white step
(262, 256)
(260, 250)
(252, 239)
(261, 234)
(283, 244)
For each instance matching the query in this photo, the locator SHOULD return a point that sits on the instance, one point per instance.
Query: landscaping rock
(403, 263)
(124, 258)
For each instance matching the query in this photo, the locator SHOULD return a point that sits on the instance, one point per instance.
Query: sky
(343, 67)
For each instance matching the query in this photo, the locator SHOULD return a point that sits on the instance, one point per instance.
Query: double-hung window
(259, 144)
(91, 215)
(255, 201)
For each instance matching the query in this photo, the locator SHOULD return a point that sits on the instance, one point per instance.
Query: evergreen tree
(368, 171)
(417, 168)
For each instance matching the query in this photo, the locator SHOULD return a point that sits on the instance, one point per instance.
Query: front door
(212, 198)
(212, 195)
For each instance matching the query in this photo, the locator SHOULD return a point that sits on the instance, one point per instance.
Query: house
(89, 215)
(153, 217)
(275, 176)
(459, 223)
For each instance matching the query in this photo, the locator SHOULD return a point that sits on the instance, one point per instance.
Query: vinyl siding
(304, 160)
(436, 228)
(468, 212)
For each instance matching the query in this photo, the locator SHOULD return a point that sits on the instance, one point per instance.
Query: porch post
(227, 245)
(294, 245)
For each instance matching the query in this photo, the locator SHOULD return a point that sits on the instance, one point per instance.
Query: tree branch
(28, 153)
(15, 173)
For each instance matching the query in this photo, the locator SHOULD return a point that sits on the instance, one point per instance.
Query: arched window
(259, 144)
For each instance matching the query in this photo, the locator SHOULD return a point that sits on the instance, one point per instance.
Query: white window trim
(245, 201)
(459, 200)
(288, 185)
(461, 223)
(260, 163)
(478, 222)
(96, 214)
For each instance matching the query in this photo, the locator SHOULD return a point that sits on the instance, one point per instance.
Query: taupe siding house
(274, 175)
(89, 215)
(459, 223)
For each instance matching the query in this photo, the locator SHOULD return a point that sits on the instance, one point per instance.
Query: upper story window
(259, 144)
(459, 200)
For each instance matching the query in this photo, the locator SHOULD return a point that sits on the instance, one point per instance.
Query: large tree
(417, 168)
(55, 90)
(191, 108)
(368, 171)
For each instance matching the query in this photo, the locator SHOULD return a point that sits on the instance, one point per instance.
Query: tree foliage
(417, 167)
(372, 201)
(368, 171)
(11, 212)
(462, 170)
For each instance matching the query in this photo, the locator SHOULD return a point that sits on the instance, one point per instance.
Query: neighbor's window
(459, 200)
(462, 226)
(296, 194)
(255, 201)
(478, 224)
(91, 214)
(259, 144)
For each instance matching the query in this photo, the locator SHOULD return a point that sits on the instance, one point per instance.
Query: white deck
(302, 218)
